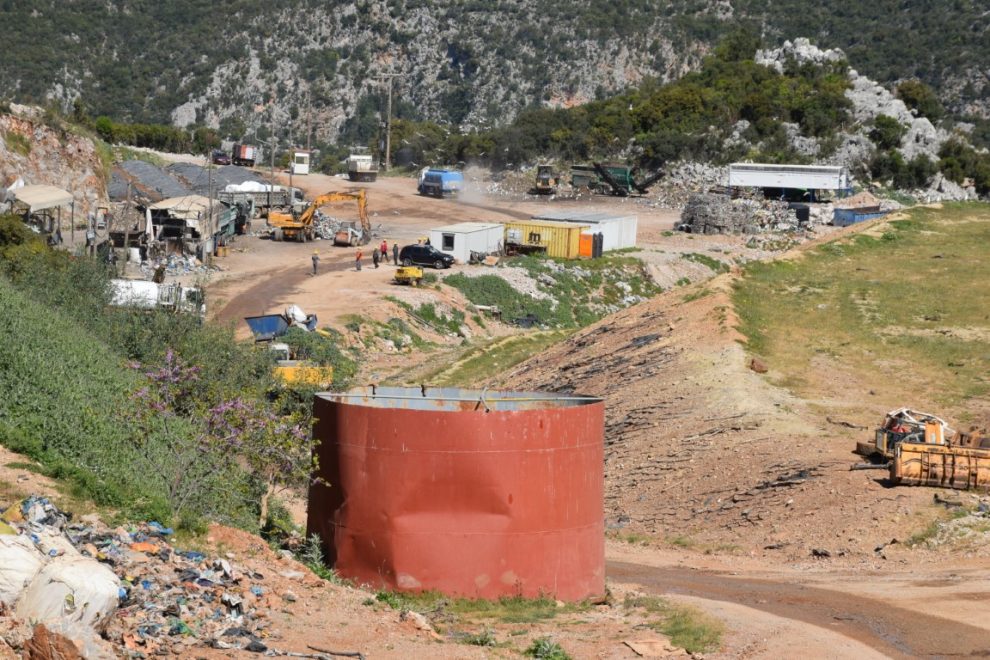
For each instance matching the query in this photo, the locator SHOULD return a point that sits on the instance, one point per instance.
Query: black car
(425, 255)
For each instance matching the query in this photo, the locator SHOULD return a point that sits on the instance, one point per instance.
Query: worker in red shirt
(357, 260)
(384, 251)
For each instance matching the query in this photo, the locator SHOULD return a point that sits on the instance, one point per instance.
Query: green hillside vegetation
(899, 310)
(136, 61)
(154, 414)
(686, 119)
(691, 118)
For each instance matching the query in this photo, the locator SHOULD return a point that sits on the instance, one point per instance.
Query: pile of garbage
(712, 213)
(124, 591)
(175, 265)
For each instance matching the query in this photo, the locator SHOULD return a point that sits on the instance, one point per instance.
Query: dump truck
(244, 154)
(440, 183)
(361, 167)
(921, 449)
(290, 226)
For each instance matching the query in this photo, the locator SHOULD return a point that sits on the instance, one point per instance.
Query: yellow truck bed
(298, 372)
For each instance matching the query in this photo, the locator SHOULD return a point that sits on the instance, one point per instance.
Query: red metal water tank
(471, 493)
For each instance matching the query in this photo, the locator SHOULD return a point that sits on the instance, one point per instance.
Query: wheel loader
(922, 450)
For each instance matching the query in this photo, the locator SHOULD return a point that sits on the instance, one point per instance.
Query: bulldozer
(289, 226)
(546, 181)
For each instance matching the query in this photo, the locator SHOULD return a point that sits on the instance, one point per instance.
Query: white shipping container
(618, 231)
(799, 177)
(462, 239)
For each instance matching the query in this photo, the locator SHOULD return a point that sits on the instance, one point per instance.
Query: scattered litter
(128, 586)
(654, 648)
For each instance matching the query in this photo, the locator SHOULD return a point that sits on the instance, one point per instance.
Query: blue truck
(438, 183)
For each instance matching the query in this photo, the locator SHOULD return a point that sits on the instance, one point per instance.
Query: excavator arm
(306, 218)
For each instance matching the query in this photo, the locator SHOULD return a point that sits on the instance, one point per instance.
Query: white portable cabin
(460, 240)
(799, 177)
(618, 231)
(300, 161)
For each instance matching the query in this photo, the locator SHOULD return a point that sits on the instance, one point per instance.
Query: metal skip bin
(471, 493)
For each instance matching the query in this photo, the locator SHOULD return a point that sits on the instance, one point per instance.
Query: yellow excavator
(289, 226)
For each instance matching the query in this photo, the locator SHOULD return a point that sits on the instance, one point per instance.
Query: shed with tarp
(41, 197)
(42, 206)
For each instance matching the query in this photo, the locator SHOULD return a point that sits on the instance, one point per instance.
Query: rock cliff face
(36, 153)
(452, 62)
(308, 66)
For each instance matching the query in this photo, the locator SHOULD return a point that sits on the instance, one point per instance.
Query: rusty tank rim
(453, 399)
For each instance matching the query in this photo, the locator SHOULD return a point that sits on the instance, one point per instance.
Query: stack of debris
(175, 264)
(681, 181)
(125, 591)
(709, 213)
(326, 227)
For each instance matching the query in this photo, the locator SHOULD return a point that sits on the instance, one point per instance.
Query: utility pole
(208, 254)
(309, 117)
(387, 77)
(272, 128)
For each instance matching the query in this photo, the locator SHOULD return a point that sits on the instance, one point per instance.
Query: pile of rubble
(125, 591)
(682, 180)
(326, 227)
(712, 213)
(175, 265)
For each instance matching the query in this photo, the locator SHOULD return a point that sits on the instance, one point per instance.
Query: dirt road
(262, 276)
(884, 626)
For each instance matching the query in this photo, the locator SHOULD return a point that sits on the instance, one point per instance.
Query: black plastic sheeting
(197, 178)
(176, 180)
(154, 182)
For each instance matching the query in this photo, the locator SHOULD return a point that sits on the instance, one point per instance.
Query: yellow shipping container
(559, 239)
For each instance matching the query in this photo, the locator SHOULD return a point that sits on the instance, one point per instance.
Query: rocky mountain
(37, 150)
(302, 67)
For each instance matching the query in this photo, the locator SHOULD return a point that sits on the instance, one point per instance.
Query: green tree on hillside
(922, 98)
(887, 132)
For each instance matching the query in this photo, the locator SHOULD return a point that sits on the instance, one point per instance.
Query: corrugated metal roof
(189, 207)
(41, 197)
(596, 217)
(467, 227)
(541, 223)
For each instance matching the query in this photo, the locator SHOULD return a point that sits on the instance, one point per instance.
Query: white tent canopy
(41, 197)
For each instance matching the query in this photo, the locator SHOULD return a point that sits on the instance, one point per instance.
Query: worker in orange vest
(357, 260)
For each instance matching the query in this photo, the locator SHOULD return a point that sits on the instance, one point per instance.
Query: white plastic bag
(71, 590)
(20, 562)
